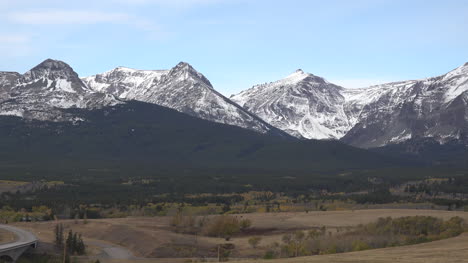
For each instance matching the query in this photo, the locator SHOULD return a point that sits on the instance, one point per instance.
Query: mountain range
(308, 106)
(41, 92)
(301, 105)
(181, 88)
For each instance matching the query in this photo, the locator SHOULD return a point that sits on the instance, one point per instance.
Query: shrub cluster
(224, 226)
(384, 232)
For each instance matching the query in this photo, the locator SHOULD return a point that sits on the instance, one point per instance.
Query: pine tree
(75, 243)
(58, 231)
(80, 247)
(70, 241)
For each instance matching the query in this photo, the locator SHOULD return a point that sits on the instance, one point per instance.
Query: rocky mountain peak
(181, 88)
(306, 105)
(44, 91)
(184, 71)
(299, 76)
(184, 65)
(296, 76)
(122, 68)
(51, 69)
(302, 104)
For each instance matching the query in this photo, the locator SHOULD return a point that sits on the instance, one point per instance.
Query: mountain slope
(432, 108)
(428, 150)
(124, 83)
(302, 104)
(307, 106)
(137, 136)
(43, 90)
(181, 88)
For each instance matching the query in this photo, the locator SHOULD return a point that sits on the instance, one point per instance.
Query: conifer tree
(70, 241)
(58, 231)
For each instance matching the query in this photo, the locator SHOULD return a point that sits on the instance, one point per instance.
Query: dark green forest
(176, 154)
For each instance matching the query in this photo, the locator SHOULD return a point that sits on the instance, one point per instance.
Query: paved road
(26, 238)
(112, 251)
(23, 238)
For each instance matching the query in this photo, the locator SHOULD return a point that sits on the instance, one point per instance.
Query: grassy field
(7, 186)
(152, 237)
(449, 250)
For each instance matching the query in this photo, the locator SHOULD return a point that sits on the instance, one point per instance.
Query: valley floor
(142, 239)
(449, 250)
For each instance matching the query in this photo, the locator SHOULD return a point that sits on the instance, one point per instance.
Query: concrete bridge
(10, 252)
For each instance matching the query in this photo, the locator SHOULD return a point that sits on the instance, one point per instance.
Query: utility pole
(64, 252)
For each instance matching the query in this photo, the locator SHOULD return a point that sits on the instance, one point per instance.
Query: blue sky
(238, 43)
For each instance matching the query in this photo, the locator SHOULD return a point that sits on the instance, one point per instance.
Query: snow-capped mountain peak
(184, 71)
(50, 86)
(395, 112)
(308, 106)
(51, 69)
(462, 70)
(302, 104)
(456, 81)
(299, 75)
(53, 75)
(123, 82)
(295, 77)
(181, 88)
(296, 74)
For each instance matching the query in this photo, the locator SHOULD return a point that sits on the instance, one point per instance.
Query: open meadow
(152, 239)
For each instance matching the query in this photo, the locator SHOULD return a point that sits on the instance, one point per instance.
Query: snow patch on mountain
(181, 88)
(457, 81)
(124, 83)
(301, 104)
(44, 91)
(310, 107)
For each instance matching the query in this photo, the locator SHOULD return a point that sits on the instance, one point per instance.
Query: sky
(240, 43)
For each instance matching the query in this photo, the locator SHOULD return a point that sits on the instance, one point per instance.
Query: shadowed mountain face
(165, 122)
(140, 136)
(427, 150)
(303, 105)
(307, 106)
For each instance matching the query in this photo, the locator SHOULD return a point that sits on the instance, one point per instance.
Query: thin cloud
(174, 3)
(15, 45)
(14, 39)
(83, 17)
(48, 17)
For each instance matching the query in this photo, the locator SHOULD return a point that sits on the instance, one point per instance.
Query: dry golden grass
(339, 218)
(7, 186)
(147, 237)
(13, 183)
(450, 250)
